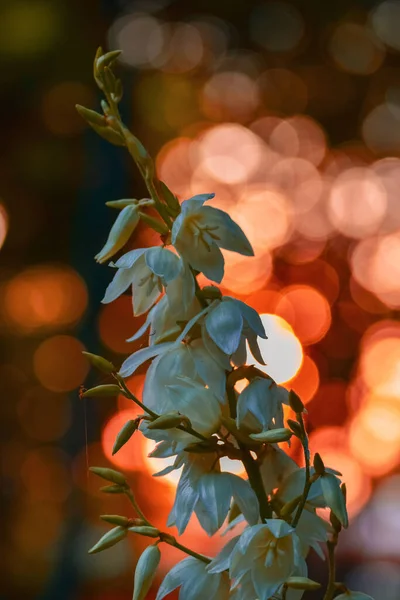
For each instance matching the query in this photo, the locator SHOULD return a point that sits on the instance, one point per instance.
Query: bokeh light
(44, 415)
(277, 26)
(355, 48)
(58, 107)
(3, 224)
(59, 363)
(44, 297)
(306, 381)
(282, 351)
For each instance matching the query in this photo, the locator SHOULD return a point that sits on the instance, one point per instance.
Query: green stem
(255, 480)
(330, 590)
(284, 592)
(309, 480)
(137, 508)
(173, 542)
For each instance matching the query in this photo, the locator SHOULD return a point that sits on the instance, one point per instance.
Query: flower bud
(145, 530)
(334, 498)
(155, 224)
(168, 421)
(120, 232)
(125, 434)
(109, 475)
(116, 520)
(112, 489)
(107, 59)
(120, 204)
(171, 200)
(200, 448)
(145, 571)
(302, 583)
(101, 391)
(288, 508)
(353, 596)
(295, 427)
(272, 436)
(319, 464)
(138, 153)
(295, 402)
(91, 116)
(100, 363)
(109, 539)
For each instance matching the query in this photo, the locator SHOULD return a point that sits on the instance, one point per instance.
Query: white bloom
(260, 405)
(120, 233)
(312, 531)
(148, 271)
(354, 596)
(200, 231)
(209, 493)
(190, 360)
(293, 486)
(195, 582)
(265, 554)
(276, 466)
(230, 322)
(333, 497)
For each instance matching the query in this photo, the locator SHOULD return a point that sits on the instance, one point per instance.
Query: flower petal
(119, 284)
(163, 263)
(231, 236)
(224, 325)
(251, 316)
(136, 359)
(126, 261)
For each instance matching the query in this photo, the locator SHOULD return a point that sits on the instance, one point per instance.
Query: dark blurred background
(290, 112)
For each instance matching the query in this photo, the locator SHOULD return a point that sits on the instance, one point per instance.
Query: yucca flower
(200, 231)
(353, 596)
(266, 554)
(195, 583)
(259, 405)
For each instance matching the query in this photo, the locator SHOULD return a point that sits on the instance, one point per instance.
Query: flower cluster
(195, 344)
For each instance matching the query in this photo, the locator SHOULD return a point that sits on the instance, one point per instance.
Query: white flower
(120, 233)
(276, 466)
(260, 405)
(230, 322)
(312, 531)
(334, 497)
(195, 582)
(265, 554)
(208, 493)
(200, 231)
(190, 360)
(148, 271)
(354, 596)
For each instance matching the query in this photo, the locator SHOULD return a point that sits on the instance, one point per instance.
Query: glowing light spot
(282, 351)
(386, 22)
(3, 224)
(58, 107)
(44, 297)
(307, 311)
(140, 37)
(380, 363)
(274, 228)
(174, 166)
(357, 203)
(388, 171)
(229, 153)
(114, 320)
(375, 437)
(356, 49)
(45, 475)
(130, 456)
(306, 381)
(59, 363)
(230, 95)
(301, 251)
(183, 48)
(245, 276)
(299, 136)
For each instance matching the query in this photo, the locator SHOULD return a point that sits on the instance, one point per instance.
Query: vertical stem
(330, 590)
(308, 480)
(137, 508)
(255, 480)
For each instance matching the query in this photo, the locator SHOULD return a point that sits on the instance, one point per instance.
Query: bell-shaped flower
(266, 553)
(208, 493)
(259, 405)
(230, 322)
(194, 581)
(354, 596)
(190, 360)
(148, 271)
(120, 233)
(293, 486)
(276, 466)
(200, 231)
(312, 531)
(334, 497)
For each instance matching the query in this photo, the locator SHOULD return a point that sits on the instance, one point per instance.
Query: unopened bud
(200, 448)
(125, 434)
(334, 498)
(91, 116)
(155, 224)
(120, 232)
(109, 475)
(108, 133)
(101, 391)
(107, 59)
(138, 153)
(288, 508)
(120, 204)
(295, 402)
(145, 530)
(171, 200)
(113, 489)
(145, 571)
(295, 427)
(302, 583)
(272, 436)
(100, 363)
(319, 464)
(116, 520)
(168, 421)
(109, 539)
